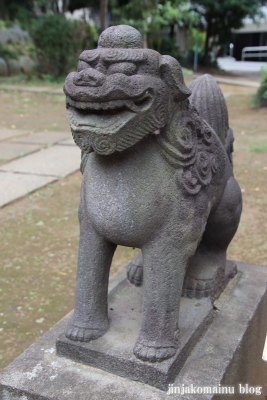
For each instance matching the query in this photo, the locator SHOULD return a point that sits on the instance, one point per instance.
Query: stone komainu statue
(157, 175)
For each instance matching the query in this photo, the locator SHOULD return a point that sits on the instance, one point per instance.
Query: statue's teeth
(96, 106)
(105, 106)
(116, 104)
(131, 106)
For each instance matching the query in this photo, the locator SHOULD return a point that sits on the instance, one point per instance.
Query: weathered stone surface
(156, 176)
(228, 354)
(43, 137)
(14, 186)
(10, 150)
(3, 68)
(13, 66)
(113, 352)
(54, 161)
(26, 64)
(231, 350)
(14, 34)
(3, 36)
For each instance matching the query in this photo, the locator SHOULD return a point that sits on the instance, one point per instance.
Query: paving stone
(46, 138)
(10, 133)
(10, 150)
(54, 161)
(13, 186)
(68, 142)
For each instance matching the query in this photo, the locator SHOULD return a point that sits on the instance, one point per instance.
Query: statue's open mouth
(108, 116)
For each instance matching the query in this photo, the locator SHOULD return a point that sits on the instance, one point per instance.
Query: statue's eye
(126, 68)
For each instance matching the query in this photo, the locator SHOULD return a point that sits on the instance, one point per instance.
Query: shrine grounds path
(39, 195)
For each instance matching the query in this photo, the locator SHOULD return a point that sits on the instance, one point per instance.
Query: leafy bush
(166, 45)
(260, 99)
(59, 41)
(15, 50)
(8, 51)
(15, 41)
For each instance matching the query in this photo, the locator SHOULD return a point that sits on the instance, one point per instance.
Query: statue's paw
(82, 334)
(153, 354)
(197, 288)
(205, 274)
(135, 274)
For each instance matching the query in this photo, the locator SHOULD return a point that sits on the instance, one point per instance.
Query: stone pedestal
(113, 352)
(228, 354)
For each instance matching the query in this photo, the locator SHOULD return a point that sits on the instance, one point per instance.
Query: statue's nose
(89, 77)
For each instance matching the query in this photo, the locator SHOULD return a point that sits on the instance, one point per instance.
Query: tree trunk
(206, 57)
(145, 44)
(55, 7)
(171, 33)
(103, 14)
(65, 6)
(3, 14)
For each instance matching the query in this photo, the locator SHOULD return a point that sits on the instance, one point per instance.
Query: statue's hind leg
(205, 274)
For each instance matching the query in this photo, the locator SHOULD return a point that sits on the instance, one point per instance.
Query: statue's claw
(135, 270)
(135, 274)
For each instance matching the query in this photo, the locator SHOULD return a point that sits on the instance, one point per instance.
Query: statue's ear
(172, 75)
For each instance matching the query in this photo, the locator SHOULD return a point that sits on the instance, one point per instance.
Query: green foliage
(2, 25)
(194, 38)
(5, 24)
(178, 12)
(20, 10)
(260, 99)
(144, 15)
(14, 50)
(48, 78)
(166, 45)
(59, 41)
(8, 52)
(151, 15)
(156, 20)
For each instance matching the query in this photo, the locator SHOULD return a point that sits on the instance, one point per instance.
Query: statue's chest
(127, 199)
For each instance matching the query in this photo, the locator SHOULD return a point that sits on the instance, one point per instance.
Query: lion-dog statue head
(120, 88)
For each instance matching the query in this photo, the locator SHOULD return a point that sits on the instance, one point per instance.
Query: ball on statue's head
(121, 36)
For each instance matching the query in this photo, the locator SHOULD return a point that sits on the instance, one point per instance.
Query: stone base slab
(113, 352)
(228, 354)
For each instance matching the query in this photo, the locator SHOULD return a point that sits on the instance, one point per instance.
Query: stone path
(29, 161)
(242, 67)
(237, 81)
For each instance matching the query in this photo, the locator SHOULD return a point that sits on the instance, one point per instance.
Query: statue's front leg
(90, 318)
(164, 269)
